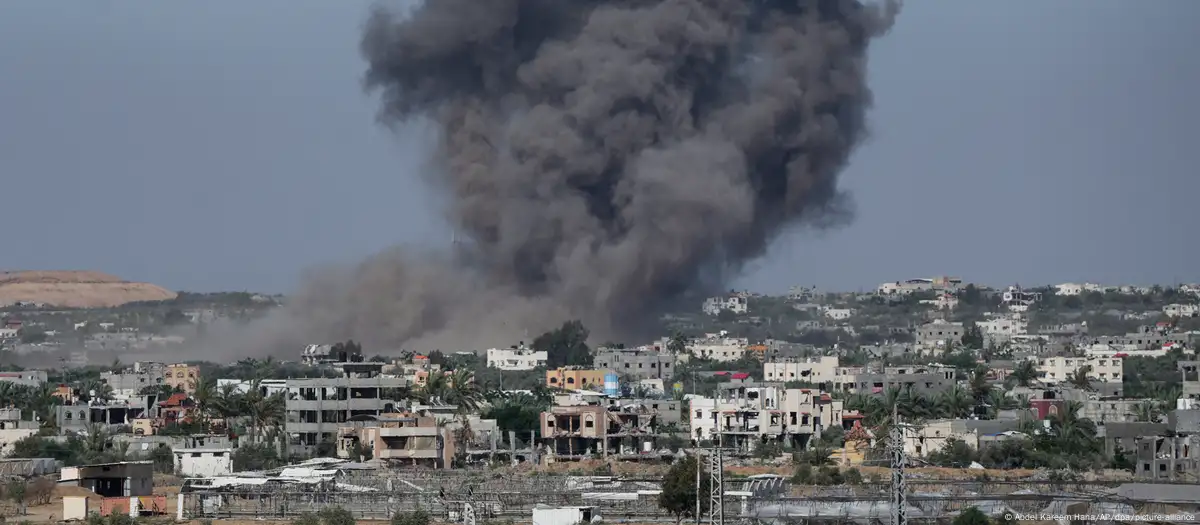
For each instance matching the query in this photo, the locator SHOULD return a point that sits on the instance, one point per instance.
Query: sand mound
(75, 289)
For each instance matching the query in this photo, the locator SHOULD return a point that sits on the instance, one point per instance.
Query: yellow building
(183, 377)
(575, 378)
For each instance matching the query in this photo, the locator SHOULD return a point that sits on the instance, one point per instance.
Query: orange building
(575, 378)
(183, 377)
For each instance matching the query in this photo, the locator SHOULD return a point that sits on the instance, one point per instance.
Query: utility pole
(699, 463)
(896, 444)
(716, 509)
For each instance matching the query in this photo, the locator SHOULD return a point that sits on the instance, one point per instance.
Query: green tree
(678, 496)
(1024, 373)
(565, 346)
(972, 337)
(971, 516)
(677, 344)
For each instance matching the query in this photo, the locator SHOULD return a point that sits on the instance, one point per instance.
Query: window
(589, 424)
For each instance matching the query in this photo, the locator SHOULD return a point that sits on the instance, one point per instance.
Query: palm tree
(979, 383)
(677, 344)
(1024, 373)
(1147, 411)
(956, 402)
(1080, 377)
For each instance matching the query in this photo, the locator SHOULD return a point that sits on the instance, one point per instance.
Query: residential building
(745, 415)
(1002, 329)
(923, 440)
(13, 429)
(737, 304)
(1061, 369)
(1182, 310)
(203, 461)
(1174, 454)
(316, 407)
(429, 437)
(938, 333)
(25, 377)
(923, 379)
(949, 284)
(182, 377)
(330, 354)
(839, 314)
(637, 362)
(130, 382)
(573, 378)
(1104, 410)
(1068, 289)
(719, 347)
(943, 301)
(1019, 300)
(112, 480)
(1149, 337)
(515, 358)
(81, 417)
(581, 431)
(816, 370)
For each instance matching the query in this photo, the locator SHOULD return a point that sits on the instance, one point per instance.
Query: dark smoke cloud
(602, 155)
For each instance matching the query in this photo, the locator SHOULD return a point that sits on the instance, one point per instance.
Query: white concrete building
(1019, 300)
(839, 314)
(938, 332)
(745, 415)
(944, 301)
(734, 303)
(203, 462)
(1003, 328)
(719, 347)
(1060, 369)
(816, 370)
(515, 358)
(1182, 310)
(1067, 289)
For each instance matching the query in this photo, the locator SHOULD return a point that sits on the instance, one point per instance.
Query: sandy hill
(75, 289)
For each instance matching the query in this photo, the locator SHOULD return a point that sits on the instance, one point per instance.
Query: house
(131, 381)
(816, 370)
(745, 415)
(641, 363)
(182, 377)
(515, 358)
(575, 378)
(719, 347)
(25, 377)
(13, 429)
(943, 301)
(1002, 329)
(110, 480)
(77, 418)
(839, 314)
(923, 379)
(1069, 289)
(923, 440)
(737, 304)
(1019, 300)
(1174, 454)
(203, 462)
(621, 429)
(1182, 310)
(1061, 369)
(938, 333)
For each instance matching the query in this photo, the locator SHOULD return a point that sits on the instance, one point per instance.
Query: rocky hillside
(75, 289)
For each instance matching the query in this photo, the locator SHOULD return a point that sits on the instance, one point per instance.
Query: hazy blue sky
(227, 145)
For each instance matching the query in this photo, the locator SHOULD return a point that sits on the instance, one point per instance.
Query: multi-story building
(515, 358)
(839, 314)
(25, 377)
(1019, 300)
(129, 383)
(1182, 310)
(938, 333)
(637, 362)
(719, 347)
(14, 428)
(745, 415)
(423, 438)
(1059, 369)
(1149, 337)
(736, 303)
(575, 378)
(1002, 329)
(81, 417)
(922, 379)
(1111, 410)
(631, 430)
(316, 407)
(816, 370)
(182, 377)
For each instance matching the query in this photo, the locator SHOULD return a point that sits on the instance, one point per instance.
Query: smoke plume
(602, 156)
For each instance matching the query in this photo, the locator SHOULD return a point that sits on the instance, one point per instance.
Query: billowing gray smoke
(603, 155)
